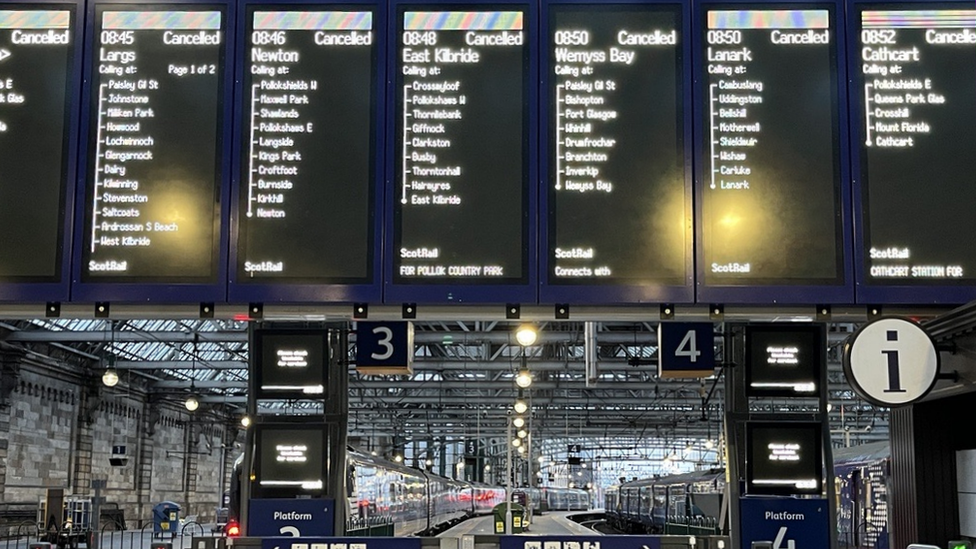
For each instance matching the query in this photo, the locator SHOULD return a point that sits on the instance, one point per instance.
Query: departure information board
(461, 185)
(308, 171)
(37, 51)
(915, 80)
(771, 189)
(154, 146)
(619, 208)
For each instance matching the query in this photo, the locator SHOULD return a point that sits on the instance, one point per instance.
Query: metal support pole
(508, 483)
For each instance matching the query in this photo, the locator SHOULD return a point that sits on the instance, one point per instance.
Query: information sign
(914, 78)
(290, 363)
(463, 191)
(773, 158)
(579, 542)
(785, 523)
(290, 460)
(618, 197)
(784, 458)
(685, 349)
(308, 153)
(291, 517)
(891, 362)
(384, 348)
(152, 209)
(38, 105)
(341, 543)
(785, 360)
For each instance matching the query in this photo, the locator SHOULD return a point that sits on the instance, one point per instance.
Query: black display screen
(461, 147)
(154, 178)
(916, 78)
(783, 458)
(290, 459)
(771, 183)
(785, 360)
(307, 175)
(618, 207)
(292, 365)
(36, 55)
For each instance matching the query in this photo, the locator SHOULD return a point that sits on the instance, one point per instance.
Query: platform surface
(553, 523)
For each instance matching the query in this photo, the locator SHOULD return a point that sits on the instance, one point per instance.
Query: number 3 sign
(891, 362)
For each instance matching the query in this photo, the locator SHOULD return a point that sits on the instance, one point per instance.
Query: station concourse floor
(553, 523)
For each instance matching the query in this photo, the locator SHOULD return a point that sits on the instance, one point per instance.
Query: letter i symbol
(894, 377)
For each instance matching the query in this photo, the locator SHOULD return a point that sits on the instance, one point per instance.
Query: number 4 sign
(891, 362)
(685, 349)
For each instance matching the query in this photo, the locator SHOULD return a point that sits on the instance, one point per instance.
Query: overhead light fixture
(526, 335)
(518, 422)
(246, 421)
(110, 378)
(521, 407)
(398, 458)
(192, 403)
(522, 433)
(516, 442)
(429, 463)
(521, 449)
(542, 459)
(487, 467)
(523, 379)
(709, 444)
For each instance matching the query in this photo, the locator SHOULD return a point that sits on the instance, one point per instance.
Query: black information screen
(461, 147)
(36, 54)
(617, 187)
(917, 74)
(784, 360)
(291, 365)
(783, 458)
(308, 170)
(771, 203)
(153, 192)
(290, 458)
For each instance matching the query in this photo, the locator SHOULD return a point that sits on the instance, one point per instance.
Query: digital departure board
(785, 360)
(153, 189)
(308, 171)
(915, 80)
(619, 202)
(289, 459)
(784, 458)
(772, 192)
(290, 364)
(461, 183)
(37, 83)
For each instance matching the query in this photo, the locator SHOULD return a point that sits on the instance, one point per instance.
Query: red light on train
(233, 530)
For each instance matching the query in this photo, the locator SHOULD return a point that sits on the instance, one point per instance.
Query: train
(383, 494)
(691, 503)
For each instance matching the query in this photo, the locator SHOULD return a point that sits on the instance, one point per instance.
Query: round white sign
(891, 362)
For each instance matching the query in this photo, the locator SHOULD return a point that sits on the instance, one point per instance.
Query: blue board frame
(214, 290)
(59, 290)
(283, 290)
(613, 293)
(868, 293)
(777, 294)
(455, 291)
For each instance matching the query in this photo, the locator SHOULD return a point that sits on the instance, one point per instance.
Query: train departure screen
(307, 172)
(783, 458)
(771, 203)
(153, 192)
(290, 458)
(917, 74)
(36, 54)
(461, 147)
(617, 186)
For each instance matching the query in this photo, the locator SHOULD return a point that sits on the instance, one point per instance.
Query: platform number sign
(384, 347)
(891, 362)
(686, 349)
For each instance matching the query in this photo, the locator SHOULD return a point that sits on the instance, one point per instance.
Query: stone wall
(57, 430)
